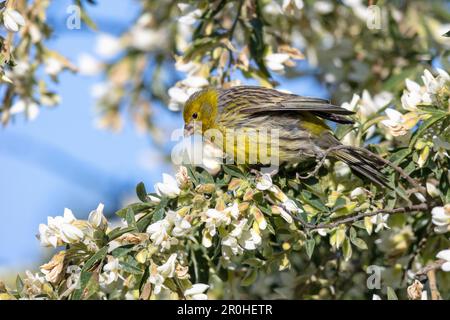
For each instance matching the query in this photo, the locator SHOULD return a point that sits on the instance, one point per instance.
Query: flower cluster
(416, 96)
(27, 63)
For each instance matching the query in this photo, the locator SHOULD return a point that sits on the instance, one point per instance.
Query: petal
(197, 288)
(444, 254)
(446, 267)
(394, 115)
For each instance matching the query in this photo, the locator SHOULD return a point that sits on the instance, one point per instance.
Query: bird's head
(200, 111)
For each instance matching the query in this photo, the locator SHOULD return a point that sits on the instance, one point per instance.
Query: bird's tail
(362, 164)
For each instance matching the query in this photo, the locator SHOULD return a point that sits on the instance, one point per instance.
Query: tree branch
(357, 217)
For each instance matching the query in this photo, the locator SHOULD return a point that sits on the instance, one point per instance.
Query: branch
(351, 219)
(432, 266)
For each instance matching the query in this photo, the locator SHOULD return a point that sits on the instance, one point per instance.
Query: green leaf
(358, 242)
(347, 249)
(131, 221)
(99, 255)
(447, 34)
(310, 244)
(122, 251)
(425, 126)
(249, 278)
(117, 232)
(141, 192)
(127, 267)
(254, 262)
(84, 280)
(137, 208)
(398, 156)
(391, 294)
(233, 171)
(19, 284)
(313, 201)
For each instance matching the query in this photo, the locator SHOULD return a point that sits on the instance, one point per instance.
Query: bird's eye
(195, 115)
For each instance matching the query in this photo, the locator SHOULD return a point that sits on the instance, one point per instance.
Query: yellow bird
(230, 118)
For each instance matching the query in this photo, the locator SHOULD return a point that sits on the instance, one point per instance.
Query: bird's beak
(189, 129)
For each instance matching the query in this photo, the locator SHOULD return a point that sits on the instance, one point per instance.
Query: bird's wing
(319, 107)
(256, 100)
(297, 103)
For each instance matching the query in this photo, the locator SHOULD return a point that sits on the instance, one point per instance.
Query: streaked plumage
(299, 120)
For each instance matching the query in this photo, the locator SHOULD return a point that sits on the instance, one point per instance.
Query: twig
(435, 295)
(420, 245)
(351, 219)
(432, 266)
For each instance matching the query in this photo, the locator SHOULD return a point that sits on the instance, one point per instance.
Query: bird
(233, 115)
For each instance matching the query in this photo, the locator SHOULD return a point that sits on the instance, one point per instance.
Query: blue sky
(60, 160)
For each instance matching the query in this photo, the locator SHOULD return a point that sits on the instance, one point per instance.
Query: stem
(351, 219)
(435, 295)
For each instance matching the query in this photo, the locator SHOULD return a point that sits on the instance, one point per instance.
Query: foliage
(311, 231)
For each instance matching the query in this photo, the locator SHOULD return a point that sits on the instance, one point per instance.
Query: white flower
(107, 46)
(289, 3)
(60, 230)
(432, 84)
(273, 8)
(182, 176)
(25, 106)
(432, 190)
(445, 255)
(357, 192)
(73, 280)
(414, 95)
(441, 148)
(359, 9)
(376, 297)
(178, 98)
(156, 279)
(441, 218)
(191, 17)
(189, 67)
(146, 39)
(33, 282)
(53, 66)
(275, 61)
(264, 182)
(88, 65)
(250, 239)
(180, 225)
(110, 271)
(35, 33)
(167, 270)
(96, 217)
(212, 158)
(395, 122)
(196, 292)
(169, 187)
(12, 20)
(380, 221)
(195, 82)
(159, 233)
(214, 219)
(286, 216)
(352, 106)
(368, 106)
(323, 7)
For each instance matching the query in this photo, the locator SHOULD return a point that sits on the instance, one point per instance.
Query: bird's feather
(276, 101)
